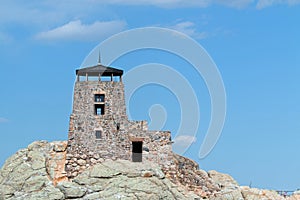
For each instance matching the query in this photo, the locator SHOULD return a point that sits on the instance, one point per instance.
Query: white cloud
(40, 15)
(189, 28)
(29, 13)
(49, 12)
(77, 31)
(3, 120)
(267, 3)
(264, 3)
(184, 140)
(164, 3)
(183, 3)
(235, 3)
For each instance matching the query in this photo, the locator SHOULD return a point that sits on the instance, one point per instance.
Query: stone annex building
(99, 127)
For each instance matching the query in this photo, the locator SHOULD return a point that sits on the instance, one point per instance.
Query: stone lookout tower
(99, 127)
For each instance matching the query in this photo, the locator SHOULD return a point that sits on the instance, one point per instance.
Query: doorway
(137, 151)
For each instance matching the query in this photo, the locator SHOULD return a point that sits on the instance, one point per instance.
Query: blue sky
(255, 44)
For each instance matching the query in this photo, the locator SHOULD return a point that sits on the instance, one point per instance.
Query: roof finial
(99, 58)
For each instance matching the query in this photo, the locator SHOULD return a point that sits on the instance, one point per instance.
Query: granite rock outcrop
(38, 172)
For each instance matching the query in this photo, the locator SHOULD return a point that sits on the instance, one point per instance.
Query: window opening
(99, 109)
(98, 134)
(137, 151)
(99, 97)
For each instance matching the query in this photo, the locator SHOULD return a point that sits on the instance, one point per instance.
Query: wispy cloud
(3, 120)
(184, 140)
(189, 28)
(38, 16)
(50, 12)
(77, 31)
(164, 3)
(205, 3)
(267, 3)
(184, 3)
(234, 3)
(30, 13)
(193, 30)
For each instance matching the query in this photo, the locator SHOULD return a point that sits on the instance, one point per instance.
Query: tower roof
(99, 69)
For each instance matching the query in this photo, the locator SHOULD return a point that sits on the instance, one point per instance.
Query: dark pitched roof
(99, 69)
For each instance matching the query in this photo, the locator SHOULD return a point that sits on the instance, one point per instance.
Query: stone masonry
(117, 136)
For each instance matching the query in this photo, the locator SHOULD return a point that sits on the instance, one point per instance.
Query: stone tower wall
(85, 150)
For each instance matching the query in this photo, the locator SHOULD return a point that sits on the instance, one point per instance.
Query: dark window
(99, 109)
(99, 97)
(98, 134)
(118, 126)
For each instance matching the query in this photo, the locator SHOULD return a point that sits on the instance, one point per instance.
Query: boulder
(6, 191)
(71, 190)
(230, 189)
(38, 159)
(59, 146)
(259, 194)
(101, 171)
(228, 195)
(35, 183)
(223, 180)
(37, 172)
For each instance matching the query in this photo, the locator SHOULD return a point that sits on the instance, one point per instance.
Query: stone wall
(186, 172)
(117, 132)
